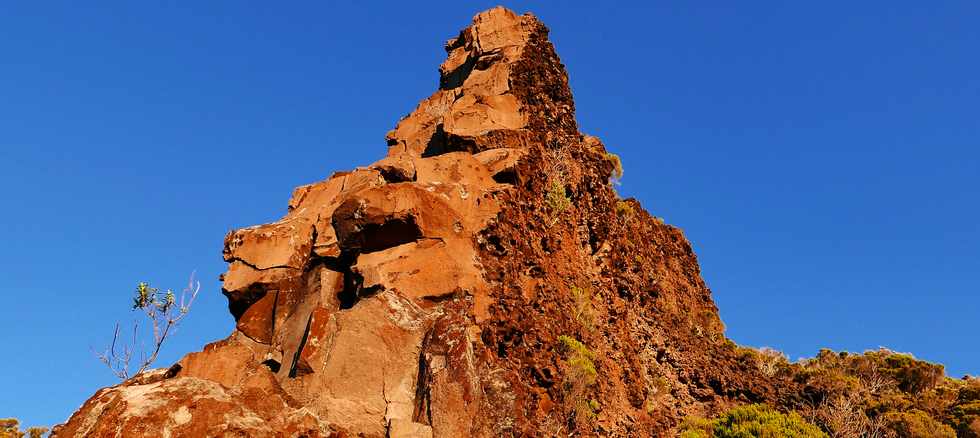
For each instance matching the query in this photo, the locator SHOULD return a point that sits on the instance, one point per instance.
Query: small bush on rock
(581, 375)
(624, 209)
(751, 421)
(917, 424)
(913, 376)
(584, 310)
(556, 197)
(617, 165)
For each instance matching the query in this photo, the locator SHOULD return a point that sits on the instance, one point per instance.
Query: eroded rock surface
(423, 295)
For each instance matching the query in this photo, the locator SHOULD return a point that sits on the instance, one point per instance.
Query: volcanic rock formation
(445, 290)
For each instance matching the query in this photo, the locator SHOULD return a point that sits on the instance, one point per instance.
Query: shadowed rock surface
(426, 295)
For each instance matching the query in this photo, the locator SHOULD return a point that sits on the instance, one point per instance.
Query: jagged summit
(501, 82)
(482, 279)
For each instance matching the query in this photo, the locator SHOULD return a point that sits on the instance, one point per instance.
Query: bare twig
(164, 314)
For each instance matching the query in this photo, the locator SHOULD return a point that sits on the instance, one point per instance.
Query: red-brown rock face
(423, 295)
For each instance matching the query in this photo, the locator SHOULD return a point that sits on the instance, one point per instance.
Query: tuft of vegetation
(751, 421)
(594, 406)
(10, 428)
(164, 312)
(585, 312)
(708, 324)
(769, 361)
(617, 173)
(657, 386)
(557, 198)
(581, 375)
(624, 209)
(660, 385)
(579, 358)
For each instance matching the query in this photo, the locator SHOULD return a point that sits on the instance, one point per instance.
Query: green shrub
(10, 428)
(966, 417)
(617, 163)
(768, 360)
(881, 391)
(556, 198)
(580, 359)
(581, 375)
(696, 427)
(624, 209)
(913, 376)
(751, 421)
(970, 391)
(917, 424)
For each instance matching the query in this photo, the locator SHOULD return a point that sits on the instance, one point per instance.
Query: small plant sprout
(164, 313)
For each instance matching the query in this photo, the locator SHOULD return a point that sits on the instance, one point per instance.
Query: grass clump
(751, 421)
(617, 163)
(557, 198)
(580, 359)
(660, 385)
(581, 375)
(624, 209)
(584, 310)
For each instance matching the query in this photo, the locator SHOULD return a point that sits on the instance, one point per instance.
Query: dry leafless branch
(164, 312)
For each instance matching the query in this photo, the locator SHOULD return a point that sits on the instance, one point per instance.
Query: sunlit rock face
(339, 303)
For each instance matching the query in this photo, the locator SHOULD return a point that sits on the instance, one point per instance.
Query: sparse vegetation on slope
(556, 198)
(10, 428)
(581, 374)
(584, 309)
(879, 393)
(751, 421)
(617, 163)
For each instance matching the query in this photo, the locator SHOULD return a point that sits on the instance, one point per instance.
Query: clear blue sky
(822, 158)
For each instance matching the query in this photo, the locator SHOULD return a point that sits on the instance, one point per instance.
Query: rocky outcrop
(426, 294)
